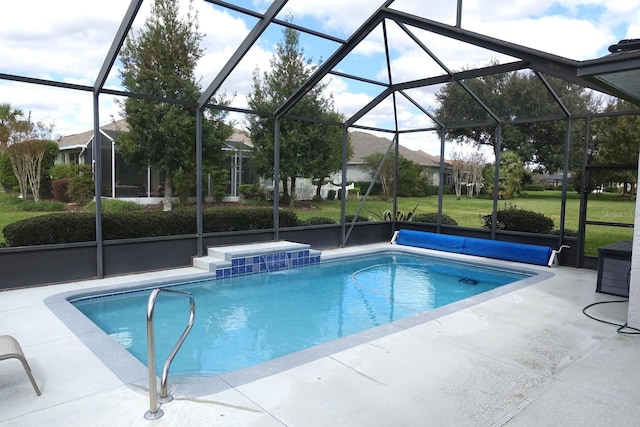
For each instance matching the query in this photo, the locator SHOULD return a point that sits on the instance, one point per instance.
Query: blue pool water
(243, 321)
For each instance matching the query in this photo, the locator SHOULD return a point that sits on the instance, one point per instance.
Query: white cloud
(571, 38)
(37, 40)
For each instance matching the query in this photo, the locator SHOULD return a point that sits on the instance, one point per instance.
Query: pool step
(240, 260)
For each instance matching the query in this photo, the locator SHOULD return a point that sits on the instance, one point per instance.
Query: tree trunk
(292, 193)
(285, 190)
(167, 202)
(18, 159)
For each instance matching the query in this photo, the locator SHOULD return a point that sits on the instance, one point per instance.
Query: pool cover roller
(518, 252)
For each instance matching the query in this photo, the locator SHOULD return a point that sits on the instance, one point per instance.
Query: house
(365, 144)
(121, 179)
(239, 147)
(552, 181)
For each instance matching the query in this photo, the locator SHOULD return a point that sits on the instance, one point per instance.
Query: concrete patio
(526, 358)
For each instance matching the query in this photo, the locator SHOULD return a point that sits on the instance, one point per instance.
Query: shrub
(364, 186)
(40, 206)
(8, 180)
(251, 191)
(81, 188)
(349, 218)
(331, 195)
(61, 189)
(567, 232)
(514, 219)
(114, 205)
(236, 219)
(612, 189)
(61, 170)
(432, 217)
(317, 220)
(10, 199)
(80, 227)
(533, 187)
(50, 229)
(253, 202)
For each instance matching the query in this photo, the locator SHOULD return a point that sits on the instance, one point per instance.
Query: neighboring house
(365, 144)
(121, 179)
(239, 146)
(552, 181)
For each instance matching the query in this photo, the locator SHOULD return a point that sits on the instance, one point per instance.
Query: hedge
(520, 220)
(317, 220)
(432, 217)
(80, 227)
(533, 187)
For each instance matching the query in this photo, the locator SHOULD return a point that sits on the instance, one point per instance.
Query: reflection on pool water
(246, 320)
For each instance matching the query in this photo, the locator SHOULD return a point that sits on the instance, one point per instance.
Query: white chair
(10, 349)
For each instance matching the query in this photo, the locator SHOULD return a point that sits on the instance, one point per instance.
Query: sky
(68, 41)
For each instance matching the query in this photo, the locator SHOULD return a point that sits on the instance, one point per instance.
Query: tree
(515, 96)
(475, 161)
(466, 169)
(458, 172)
(29, 149)
(306, 149)
(26, 159)
(8, 118)
(617, 139)
(160, 60)
(7, 177)
(510, 178)
(326, 156)
(412, 182)
(371, 164)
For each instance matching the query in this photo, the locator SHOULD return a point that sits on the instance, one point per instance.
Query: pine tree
(160, 60)
(306, 149)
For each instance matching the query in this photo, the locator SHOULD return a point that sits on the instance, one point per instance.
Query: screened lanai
(394, 95)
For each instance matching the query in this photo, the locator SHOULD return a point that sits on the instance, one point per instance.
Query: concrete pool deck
(528, 357)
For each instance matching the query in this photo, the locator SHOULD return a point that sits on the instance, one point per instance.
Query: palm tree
(8, 118)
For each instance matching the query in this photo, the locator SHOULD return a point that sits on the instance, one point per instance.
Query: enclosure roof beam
(364, 110)
(44, 82)
(242, 50)
(287, 24)
(462, 75)
(553, 93)
(116, 44)
(424, 110)
(554, 65)
(359, 35)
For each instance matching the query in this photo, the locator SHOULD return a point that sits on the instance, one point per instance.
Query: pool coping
(134, 374)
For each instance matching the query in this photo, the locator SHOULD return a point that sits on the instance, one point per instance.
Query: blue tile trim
(268, 262)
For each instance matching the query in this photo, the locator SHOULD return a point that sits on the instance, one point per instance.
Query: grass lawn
(466, 212)
(10, 212)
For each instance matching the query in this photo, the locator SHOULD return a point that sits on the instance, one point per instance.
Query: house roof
(81, 140)
(365, 144)
(238, 141)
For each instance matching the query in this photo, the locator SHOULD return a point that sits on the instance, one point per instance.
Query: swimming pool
(248, 320)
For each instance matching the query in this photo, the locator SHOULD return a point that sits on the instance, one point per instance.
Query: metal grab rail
(154, 411)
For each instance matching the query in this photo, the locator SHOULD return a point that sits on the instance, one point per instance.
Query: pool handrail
(154, 411)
